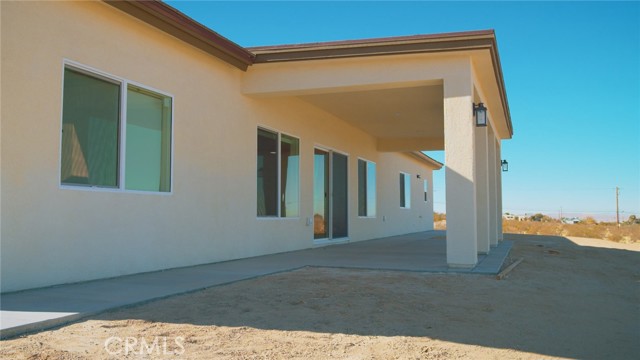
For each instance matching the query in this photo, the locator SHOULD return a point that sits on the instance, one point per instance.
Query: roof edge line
(173, 22)
(428, 159)
(380, 41)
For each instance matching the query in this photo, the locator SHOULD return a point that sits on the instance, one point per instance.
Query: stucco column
(460, 171)
(482, 189)
(494, 168)
(499, 189)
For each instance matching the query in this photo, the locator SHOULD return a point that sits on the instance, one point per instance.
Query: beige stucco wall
(52, 235)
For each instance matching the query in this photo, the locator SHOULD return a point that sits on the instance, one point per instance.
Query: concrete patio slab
(39, 309)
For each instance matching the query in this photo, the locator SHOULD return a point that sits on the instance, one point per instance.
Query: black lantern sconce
(505, 165)
(480, 114)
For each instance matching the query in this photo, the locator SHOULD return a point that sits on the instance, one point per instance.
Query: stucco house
(135, 139)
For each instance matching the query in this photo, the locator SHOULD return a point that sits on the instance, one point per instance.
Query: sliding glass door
(339, 215)
(330, 195)
(320, 194)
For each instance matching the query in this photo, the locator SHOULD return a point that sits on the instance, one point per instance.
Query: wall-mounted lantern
(480, 114)
(505, 165)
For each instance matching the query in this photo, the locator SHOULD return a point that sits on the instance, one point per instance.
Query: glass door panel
(339, 214)
(320, 194)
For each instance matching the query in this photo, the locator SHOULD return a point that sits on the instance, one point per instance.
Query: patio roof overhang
(399, 101)
(407, 92)
(392, 88)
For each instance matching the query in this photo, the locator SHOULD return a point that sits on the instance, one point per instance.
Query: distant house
(573, 220)
(135, 139)
(516, 217)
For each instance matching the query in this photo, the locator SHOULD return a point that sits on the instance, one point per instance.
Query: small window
(278, 175)
(366, 188)
(426, 191)
(94, 125)
(405, 191)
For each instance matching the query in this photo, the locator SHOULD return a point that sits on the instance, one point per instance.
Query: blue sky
(572, 74)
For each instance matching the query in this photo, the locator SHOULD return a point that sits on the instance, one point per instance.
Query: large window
(278, 175)
(366, 188)
(106, 146)
(405, 190)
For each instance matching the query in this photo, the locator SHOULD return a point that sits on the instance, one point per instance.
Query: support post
(494, 173)
(460, 172)
(482, 189)
(499, 188)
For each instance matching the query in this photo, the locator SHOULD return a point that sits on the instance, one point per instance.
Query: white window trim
(368, 216)
(405, 191)
(280, 133)
(330, 149)
(123, 83)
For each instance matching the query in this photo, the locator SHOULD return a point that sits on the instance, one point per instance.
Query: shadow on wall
(564, 300)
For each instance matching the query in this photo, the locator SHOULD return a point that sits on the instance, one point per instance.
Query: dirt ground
(565, 300)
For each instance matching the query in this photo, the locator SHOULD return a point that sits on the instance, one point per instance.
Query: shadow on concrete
(38, 309)
(564, 300)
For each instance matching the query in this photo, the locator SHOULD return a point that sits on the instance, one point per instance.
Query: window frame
(123, 84)
(279, 216)
(367, 216)
(407, 191)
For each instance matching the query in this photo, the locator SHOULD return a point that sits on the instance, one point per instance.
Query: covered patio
(38, 309)
(412, 94)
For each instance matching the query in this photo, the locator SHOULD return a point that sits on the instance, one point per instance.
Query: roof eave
(171, 21)
(495, 56)
(168, 19)
(385, 41)
(433, 43)
(435, 165)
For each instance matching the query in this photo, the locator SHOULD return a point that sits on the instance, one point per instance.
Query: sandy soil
(563, 301)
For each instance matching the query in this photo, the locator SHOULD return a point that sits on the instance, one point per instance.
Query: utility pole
(617, 207)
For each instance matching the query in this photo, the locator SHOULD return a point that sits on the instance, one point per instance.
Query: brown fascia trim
(497, 70)
(436, 165)
(166, 18)
(433, 43)
(265, 53)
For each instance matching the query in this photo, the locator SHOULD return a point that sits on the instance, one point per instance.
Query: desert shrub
(589, 229)
(627, 232)
(590, 221)
(633, 220)
(617, 237)
(545, 228)
(439, 216)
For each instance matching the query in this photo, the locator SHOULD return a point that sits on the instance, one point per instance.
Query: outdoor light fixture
(505, 165)
(418, 176)
(480, 113)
